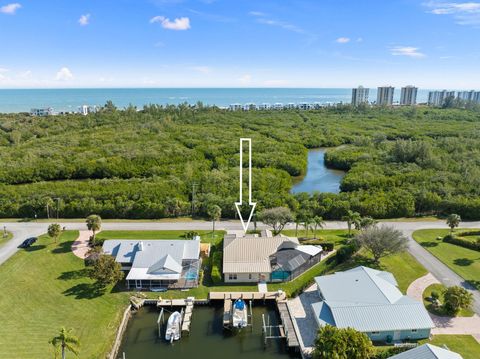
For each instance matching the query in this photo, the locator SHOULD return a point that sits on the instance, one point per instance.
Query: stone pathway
(262, 287)
(444, 325)
(418, 286)
(80, 246)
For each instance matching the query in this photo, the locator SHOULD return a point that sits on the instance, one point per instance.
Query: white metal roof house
(252, 259)
(157, 263)
(427, 351)
(369, 301)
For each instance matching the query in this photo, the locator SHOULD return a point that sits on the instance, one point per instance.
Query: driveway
(445, 275)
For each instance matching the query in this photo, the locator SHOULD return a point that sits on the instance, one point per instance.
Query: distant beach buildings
(385, 95)
(360, 95)
(42, 112)
(408, 96)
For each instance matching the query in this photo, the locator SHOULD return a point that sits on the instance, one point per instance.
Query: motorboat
(173, 327)
(240, 314)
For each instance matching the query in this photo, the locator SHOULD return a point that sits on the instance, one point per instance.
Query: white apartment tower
(408, 96)
(437, 98)
(359, 95)
(385, 96)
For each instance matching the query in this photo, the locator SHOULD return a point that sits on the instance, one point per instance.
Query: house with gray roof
(369, 301)
(157, 263)
(427, 351)
(253, 259)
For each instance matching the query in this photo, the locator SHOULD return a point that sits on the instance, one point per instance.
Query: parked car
(28, 242)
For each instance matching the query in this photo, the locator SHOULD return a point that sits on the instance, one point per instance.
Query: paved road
(430, 262)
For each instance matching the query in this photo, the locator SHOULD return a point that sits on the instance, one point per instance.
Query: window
(375, 333)
(232, 276)
(250, 276)
(414, 330)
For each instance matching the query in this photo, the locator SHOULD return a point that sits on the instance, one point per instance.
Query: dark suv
(28, 242)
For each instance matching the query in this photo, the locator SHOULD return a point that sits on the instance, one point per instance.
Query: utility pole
(48, 212)
(193, 198)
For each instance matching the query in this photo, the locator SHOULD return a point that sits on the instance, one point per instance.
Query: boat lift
(228, 314)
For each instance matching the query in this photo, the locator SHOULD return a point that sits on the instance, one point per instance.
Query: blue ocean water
(22, 100)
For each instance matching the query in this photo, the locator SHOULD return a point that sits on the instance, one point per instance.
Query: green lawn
(44, 288)
(465, 345)
(206, 236)
(440, 288)
(3, 239)
(463, 261)
(338, 236)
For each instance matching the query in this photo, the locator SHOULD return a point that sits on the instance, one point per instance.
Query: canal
(319, 178)
(207, 337)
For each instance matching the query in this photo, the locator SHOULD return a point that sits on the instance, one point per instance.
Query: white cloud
(25, 74)
(84, 20)
(64, 74)
(464, 13)
(202, 69)
(10, 9)
(409, 51)
(343, 40)
(245, 79)
(282, 24)
(181, 23)
(256, 13)
(3, 69)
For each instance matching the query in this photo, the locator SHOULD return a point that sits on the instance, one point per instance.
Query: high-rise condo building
(476, 97)
(385, 96)
(359, 95)
(437, 98)
(466, 95)
(408, 96)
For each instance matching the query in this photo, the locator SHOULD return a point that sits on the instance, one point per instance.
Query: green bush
(450, 238)
(345, 253)
(216, 263)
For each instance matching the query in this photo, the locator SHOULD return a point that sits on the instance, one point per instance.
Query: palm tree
(214, 212)
(351, 218)
(317, 222)
(453, 221)
(307, 221)
(94, 223)
(66, 341)
(298, 222)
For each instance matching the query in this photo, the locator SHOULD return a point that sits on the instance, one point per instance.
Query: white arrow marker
(250, 203)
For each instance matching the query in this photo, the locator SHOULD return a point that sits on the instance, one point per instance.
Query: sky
(239, 43)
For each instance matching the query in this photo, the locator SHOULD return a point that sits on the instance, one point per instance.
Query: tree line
(170, 161)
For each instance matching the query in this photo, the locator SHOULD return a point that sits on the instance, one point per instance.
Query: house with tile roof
(253, 259)
(157, 263)
(369, 301)
(427, 351)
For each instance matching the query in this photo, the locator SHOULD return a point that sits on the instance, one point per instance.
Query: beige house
(253, 259)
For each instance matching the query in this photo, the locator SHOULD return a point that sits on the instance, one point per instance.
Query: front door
(138, 284)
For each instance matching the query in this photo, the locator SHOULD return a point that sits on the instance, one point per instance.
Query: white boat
(240, 314)
(173, 327)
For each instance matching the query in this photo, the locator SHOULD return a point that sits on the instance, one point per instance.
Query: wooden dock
(247, 295)
(227, 312)
(187, 309)
(287, 322)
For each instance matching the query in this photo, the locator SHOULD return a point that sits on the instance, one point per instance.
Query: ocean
(22, 100)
